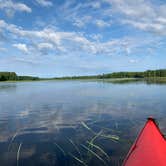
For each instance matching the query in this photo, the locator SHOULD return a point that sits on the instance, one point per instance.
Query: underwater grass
(100, 149)
(60, 148)
(76, 148)
(112, 137)
(77, 159)
(111, 130)
(93, 139)
(92, 145)
(86, 127)
(18, 154)
(96, 136)
(14, 136)
(94, 154)
(89, 149)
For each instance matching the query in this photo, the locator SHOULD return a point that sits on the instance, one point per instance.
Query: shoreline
(111, 80)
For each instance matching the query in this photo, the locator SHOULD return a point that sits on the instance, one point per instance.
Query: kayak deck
(149, 148)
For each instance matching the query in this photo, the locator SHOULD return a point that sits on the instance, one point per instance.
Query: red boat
(149, 148)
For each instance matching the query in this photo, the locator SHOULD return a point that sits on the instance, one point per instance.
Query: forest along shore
(158, 76)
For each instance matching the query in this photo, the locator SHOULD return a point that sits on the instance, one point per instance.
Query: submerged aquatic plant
(60, 148)
(14, 136)
(18, 153)
(93, 139)
(75, 146)
(92, 145)
(77, 159)
(89, 149)
(100, 149)
(112, 137)
(93, 153)
(87, 127)
(96, 136)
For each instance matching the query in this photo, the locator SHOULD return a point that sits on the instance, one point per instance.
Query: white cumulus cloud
(73, 42)
(21, 47)
(11, 7)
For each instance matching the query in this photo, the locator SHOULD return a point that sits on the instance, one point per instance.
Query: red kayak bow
(149, 148)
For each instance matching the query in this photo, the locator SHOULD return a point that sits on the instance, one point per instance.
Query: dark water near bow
(50, 123)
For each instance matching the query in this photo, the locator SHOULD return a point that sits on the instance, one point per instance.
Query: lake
(74, 122)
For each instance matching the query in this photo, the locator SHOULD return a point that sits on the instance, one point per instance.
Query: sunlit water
(56, 123)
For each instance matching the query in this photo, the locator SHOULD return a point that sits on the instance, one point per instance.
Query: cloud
(50, 39)
(102, 23)
(29, 61)
(144, 15)
(96, 37)
(133, 61)
(83, 14)
(3, 49)
(45, 46)
(21, 47)
(2, 23)
(154, 27)
(141, 14)
(95, 5)
(11, 7)
(44, 3)
(81, 22)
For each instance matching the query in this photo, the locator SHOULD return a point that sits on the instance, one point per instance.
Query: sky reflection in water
(52, 122)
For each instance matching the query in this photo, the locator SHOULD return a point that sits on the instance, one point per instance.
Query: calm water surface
(55, 123)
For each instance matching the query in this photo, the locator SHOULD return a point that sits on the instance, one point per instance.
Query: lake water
(50, 123)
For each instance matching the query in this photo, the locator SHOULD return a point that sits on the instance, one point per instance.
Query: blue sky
(81, 37)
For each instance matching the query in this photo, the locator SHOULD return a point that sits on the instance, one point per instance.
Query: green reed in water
(93, 153)
(91, 144)
(75, 146)
(77, 159)
(60, 148)
(113, 137)
(18, 153)
(99, 148)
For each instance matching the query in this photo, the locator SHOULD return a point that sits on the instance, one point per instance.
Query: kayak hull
(149, 148)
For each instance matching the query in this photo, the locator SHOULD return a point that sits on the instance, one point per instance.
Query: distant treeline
(145, 74)
(12, 76)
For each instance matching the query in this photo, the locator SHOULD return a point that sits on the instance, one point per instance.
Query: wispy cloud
(108, 32)
(26, 61)
(133, 61)
(44, 3)
(64, 42)
(21, 47)
(141, 14)
(102, 23)
(77, 14)
(81, 22)
(45, 46)
(3, 49)
(11, 7)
